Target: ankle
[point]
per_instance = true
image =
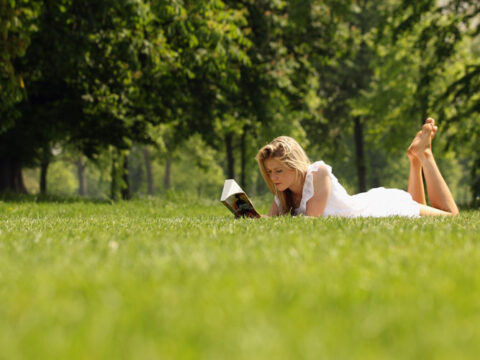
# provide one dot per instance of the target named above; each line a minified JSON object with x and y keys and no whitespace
{"x":414,"y":161}
{"x":426,"y":155}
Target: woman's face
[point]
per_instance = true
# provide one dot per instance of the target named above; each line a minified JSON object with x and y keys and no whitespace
{"x":282,"y":176}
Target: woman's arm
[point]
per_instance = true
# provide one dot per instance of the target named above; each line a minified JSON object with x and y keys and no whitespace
{"x":321,"y":192}
{"x":273,"y":210}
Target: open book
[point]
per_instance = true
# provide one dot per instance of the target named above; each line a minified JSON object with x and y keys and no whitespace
{"x":235,"y":199}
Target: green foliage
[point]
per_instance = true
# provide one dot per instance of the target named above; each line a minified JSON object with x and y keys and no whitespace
{"x":446,"y":39}
{"x":17,"y":23}
{"x":62,"y":179}
{"x":196,"y":171}
{"x":104,"y":76}
{"x":183,"y":279}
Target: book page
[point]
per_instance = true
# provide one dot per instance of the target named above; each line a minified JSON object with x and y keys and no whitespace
{"x":241,"y":206}
{"x":230,"y":187}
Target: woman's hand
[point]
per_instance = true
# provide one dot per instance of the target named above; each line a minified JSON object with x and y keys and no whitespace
{"x":274,"y":211}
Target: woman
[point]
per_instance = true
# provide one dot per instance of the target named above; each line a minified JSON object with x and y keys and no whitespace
{"x":302,"y":188}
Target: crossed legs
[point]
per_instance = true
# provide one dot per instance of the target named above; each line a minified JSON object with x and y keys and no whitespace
{"x":421,"y":157}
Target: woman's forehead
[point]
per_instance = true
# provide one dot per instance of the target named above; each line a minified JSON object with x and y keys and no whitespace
{"x":273,"y":163}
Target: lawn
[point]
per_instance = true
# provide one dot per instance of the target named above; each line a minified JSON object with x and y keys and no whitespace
{"x":153,"y":279}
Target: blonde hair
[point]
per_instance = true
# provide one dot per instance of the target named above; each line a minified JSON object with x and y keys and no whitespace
{"x":292,"y":155}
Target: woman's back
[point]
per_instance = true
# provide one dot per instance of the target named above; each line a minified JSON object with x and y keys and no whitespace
{"x":378,"y":202}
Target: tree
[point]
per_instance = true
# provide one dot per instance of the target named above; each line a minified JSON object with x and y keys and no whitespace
{"x":445,"y":35}
{"x":17,"y":23}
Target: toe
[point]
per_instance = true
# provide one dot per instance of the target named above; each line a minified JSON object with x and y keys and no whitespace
{"x":427,"y":127}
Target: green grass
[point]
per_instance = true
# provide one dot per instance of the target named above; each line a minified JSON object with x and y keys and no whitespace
{"x":158,"y":280}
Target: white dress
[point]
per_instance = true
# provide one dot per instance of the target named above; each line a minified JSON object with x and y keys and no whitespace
{"x":377,"y":202}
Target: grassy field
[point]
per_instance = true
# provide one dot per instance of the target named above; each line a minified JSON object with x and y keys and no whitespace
{"x":162,"y":280}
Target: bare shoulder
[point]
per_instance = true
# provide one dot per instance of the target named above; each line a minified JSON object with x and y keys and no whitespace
{"x":321,"y":192}
{"x":321,"y":171}
{"x":320,"y":175}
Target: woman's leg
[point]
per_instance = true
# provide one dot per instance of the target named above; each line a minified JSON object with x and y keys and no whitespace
{"x":415,"y":180}
{"x":430,"y":211}
{"x":438,"y":192}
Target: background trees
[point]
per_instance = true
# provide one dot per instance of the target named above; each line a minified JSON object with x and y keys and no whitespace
{"x":206,"y":83}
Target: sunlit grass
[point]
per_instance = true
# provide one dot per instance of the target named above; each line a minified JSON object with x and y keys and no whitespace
{"x":157,"y":279}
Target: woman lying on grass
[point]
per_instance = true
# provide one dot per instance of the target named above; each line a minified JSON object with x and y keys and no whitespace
{"x":301,"y":187}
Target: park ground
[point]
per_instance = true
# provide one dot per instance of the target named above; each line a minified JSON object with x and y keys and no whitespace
{"x":181,"y":279}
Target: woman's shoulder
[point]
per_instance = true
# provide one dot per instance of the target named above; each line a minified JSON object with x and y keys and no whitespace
{"x":320,"y":175}
{"x":317,"y":173}
{"x":319,"y":168}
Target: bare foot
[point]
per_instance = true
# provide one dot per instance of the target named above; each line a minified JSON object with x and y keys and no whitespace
{"x":412,"y":149}
{"x":422,"y":143}
{"x":421,"y":146}
{"x":434,"y":129}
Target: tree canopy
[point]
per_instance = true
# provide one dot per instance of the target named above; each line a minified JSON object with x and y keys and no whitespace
{"x":350,"y":78}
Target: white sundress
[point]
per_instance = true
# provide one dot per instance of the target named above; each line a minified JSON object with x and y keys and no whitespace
{"x":377,"y":202}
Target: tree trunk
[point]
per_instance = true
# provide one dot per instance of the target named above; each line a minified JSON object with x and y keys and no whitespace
{"x":114,"y":181}
{"x":168,"y":173}
{"x":475,"y":184}
{"x":360,"y":154}
{"x":230,"y":157}
{"x":11,"y":178}
{"x":243,"y":157}
{"x":423,"y":93}
{"x":148,"y":167}
{"x":126,"y":195}
{"x":6,"y":175}
{"x":82,"y":176}
{"x":43,"y":173}
{"x":19,"y":185}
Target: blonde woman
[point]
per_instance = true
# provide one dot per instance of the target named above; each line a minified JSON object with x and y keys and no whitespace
{"x":303,"y":188}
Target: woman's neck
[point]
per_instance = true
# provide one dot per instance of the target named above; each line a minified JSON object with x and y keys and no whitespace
{"x":297,"y":187}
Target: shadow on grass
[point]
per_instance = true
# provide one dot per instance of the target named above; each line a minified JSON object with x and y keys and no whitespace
{"x":27,"y":198}
{"x":177,"y":197}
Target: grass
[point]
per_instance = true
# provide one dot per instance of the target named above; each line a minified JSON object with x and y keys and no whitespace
{"x":162,"y":280}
